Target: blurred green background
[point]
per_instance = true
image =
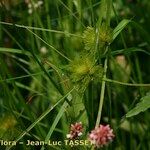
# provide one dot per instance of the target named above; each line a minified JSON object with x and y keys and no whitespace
{"x":37,"y":41}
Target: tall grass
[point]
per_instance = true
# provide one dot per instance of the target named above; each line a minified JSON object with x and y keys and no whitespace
{"x":41,"y":93}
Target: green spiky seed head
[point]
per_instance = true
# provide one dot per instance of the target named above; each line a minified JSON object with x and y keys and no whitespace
{"x":83,"y":70}
{"x":8,"y":122}
{"x":105,"y":34}
{"x":104,"y":37}
{"x":80,"y":67}
{"x":9,"y":128}
{"x":89,"y":38}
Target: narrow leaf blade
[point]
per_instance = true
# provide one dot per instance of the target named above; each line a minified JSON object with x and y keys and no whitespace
{"x":120,"y":27}
{"x":140,"y":107}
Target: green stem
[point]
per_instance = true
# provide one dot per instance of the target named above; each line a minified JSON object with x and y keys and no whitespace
{"x":108,"y":13}
{"x":40,"y":29}
{"x":102,"y":95}
{"x":124,"y":83}
{"x":108,"y":3}
{"x":57,"y":51}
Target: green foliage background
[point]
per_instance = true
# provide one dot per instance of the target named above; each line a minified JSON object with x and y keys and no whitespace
{"x":38,"y":95}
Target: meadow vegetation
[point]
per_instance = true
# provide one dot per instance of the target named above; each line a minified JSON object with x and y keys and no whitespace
{"x":70,"y":69}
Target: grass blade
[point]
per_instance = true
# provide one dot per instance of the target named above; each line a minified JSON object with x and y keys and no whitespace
{"x":120,"y":27}
{"x":40,"y":118}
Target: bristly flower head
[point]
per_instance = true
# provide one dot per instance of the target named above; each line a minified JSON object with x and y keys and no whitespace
{"x":83,"y":70}
{"x":90,"y":35}
{"x":105,"y":34}
{"x":89,"y":38}
{"x":76,"y":131}
{"x":101,"y":135}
